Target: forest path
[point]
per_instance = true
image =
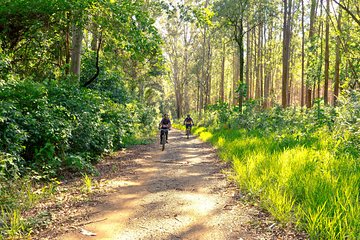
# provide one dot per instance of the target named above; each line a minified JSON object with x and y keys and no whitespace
{"x":180,"y":193}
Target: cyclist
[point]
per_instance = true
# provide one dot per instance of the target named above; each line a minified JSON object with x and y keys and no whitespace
{"x":165,"y":124}
{"x":188,"y":122}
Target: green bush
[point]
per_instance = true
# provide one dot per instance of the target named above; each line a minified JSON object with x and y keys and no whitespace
{"x":52,"y":126}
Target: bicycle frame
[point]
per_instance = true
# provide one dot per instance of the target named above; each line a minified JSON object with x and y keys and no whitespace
{"x":163,"y":137}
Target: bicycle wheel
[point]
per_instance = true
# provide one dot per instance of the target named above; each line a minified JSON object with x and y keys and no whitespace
{"x":188,"y":132}
{"x":163,"y":141}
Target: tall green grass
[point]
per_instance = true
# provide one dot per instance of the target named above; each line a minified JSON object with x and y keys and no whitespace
{"x":17,"y":196}
{"x":299,"y":180}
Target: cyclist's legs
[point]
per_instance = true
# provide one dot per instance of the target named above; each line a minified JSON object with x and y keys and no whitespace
{"x":162,"y":131}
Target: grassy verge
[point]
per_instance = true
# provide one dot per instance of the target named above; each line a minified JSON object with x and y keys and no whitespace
{"x":299,"y":181}
{"x":16,"y":197}
{"x":20,"y":212}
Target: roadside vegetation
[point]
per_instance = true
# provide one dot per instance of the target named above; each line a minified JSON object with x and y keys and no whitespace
{"x":77,"y":82}
{"x":302,"y":165}
{"x":82,"y":79}
{"x":56,"y":128}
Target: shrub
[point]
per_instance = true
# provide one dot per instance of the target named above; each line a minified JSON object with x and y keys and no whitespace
{"x":53,"y":126}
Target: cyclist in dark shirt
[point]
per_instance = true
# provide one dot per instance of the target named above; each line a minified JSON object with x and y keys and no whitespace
{"x":188,"y":122}
{"x":165,"y":123}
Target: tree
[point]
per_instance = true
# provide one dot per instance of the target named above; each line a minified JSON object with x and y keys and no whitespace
{"x":310,"y":60}
{"x":348,"y":10}
{"x":286,"y":51}
{"x":327,"y":54}
{"x":232,"y":14}
{"x":337,"y":60}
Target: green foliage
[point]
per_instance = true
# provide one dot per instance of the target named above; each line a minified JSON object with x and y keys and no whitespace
{"x":347,"y":131}
{"x":48,"y":123}
{"x":15,"y":227}
{"x":220,"y":111}
{"x":303,"y":165}
{"x":55,"y":126}
{"x":302,"y":182}
{"x":34,"y":34}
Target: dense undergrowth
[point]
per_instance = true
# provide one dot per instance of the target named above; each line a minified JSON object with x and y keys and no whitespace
{"x":56,"y":127}
{"x":303,"y":166}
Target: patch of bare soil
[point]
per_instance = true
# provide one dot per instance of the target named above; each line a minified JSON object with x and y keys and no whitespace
{"x":180,"y":193}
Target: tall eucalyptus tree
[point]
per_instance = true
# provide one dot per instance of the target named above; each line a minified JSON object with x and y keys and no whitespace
{"x":232,"y":14}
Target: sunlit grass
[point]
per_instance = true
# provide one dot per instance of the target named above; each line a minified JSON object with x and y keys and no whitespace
{"x":301,"y":181}
{"x":15,"y":227}
{"x":16,"y":197}
{"x":87,"y":183}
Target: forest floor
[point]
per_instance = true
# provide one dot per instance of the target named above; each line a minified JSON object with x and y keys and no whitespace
{"x":183,"y":192}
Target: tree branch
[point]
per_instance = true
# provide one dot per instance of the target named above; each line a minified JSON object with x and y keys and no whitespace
{"x":348,"y":11}
{"x":97,"y":64}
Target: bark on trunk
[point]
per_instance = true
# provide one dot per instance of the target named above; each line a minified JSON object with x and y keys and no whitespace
{"x":311,"y":38}
{"x":76,"y":50}
{"x":222,"y":79}
{"x":248,"y":63}
{"x":337,"y":61}
{"x":327,"y":55}
{"x":302,"y":101}
{"x":286,"y":53}
{"x":241,"y":55}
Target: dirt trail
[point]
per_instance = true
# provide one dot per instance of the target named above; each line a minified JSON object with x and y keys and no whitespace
{"x":180,"y":193}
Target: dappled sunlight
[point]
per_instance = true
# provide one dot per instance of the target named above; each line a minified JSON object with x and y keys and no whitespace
{"x":169,"y":194}
{"x":147,"y":170}
{"x":121,"y":183}
{"x":179,"y":193}
{"x":198,"y":204}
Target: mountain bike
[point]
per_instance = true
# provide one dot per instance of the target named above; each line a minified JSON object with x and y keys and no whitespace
{"x":188,"y":130}
{"x":163,"y":138}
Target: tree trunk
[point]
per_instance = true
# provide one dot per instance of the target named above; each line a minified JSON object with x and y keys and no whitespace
{"x":302,"y":101}
{"x":67,"y":47}
{"x":258,"y":59}
{"x":203,"y":73}
{"x":321,"y":34}
{"x":291,"y":90}
{"x":208,"y":74}
{"x":337,"y":60}
{"x":222,"y":79}
{"x":327,"y":54}
{"x":241,"y":58}
{"x":178,"y":90}
{"x":286,"y":52}
{"x":261,"y":58}
{"x":248,"y":65}
{"x":76,"y":50}
{"x":198,"y":92}
{"x":203,"y":70}
{"x":311,"y":38}
{"x":186,"y":78}
{"x":235,"y":76}
{"x":253,"y":63}
{"x":267,"y":79}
